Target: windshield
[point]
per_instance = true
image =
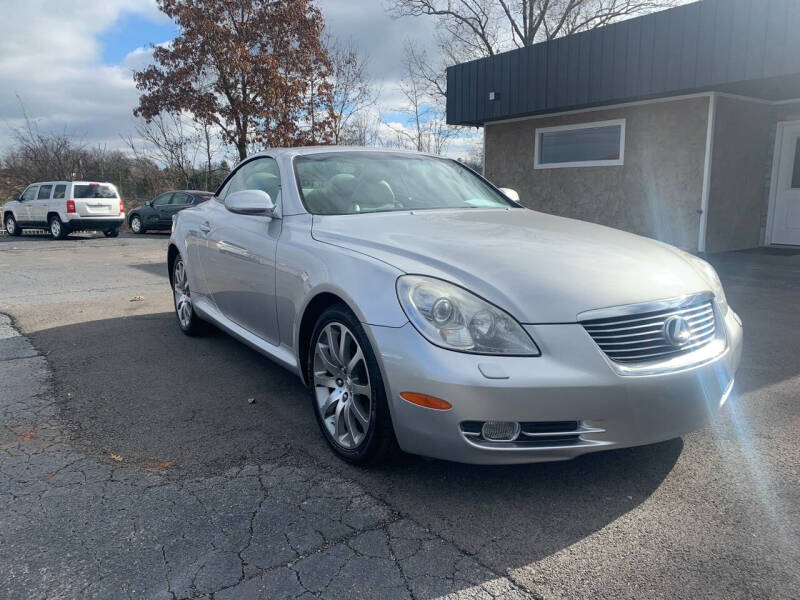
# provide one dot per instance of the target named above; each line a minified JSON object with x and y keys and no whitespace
{"x":94,"y":190}
{"x":340,"y":183}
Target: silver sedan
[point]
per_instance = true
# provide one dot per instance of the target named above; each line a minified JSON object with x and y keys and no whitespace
{"x":428,"y":310}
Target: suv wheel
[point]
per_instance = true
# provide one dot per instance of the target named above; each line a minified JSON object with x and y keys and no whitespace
{"x":347,"y":391}
{"x":11,"y":225}
{"x":111,"y":233}
{"x":58,"y":230}
{"x":136,"y":224}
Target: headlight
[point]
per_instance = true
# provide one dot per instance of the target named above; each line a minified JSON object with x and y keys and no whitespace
{"x":453,"y":318}
{"x":711,"y":276}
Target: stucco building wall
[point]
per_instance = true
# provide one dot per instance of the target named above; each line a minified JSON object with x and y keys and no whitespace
{"x":744,"y":137}
{"x":657,"y":192}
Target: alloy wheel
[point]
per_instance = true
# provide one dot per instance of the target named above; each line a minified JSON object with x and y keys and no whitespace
{"x":342,"y":387}
{"x":136,"y":225}
{"x":55,"y":227}
{"x":11,"y":226}
{"x":183,"y":299}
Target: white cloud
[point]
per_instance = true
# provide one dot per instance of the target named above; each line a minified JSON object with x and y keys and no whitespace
{"x":50,"y":58}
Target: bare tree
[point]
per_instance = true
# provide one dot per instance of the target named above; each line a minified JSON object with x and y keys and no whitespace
{"x":428,"y":132}
{"x":362,"y":129}
{"x":206,"y":129}
{"x":352,"y":91}
{"x":486,"y":27}
{"x":165,"y":139}
{"x":36,"y":155}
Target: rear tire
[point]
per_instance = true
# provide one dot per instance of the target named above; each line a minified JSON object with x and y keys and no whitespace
{"x":137,"y":226}
{"x":11,"y":225}
{"x":58,"y":231}
{"x":188,"y":320}
{"x":111,"y":233}
{"x":347,"y":391}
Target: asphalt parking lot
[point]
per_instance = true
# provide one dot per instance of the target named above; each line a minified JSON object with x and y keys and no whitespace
{"x":134,"y":465}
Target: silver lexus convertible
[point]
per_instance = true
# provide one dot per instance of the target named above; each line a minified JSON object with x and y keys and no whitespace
{"x":426,"y":309}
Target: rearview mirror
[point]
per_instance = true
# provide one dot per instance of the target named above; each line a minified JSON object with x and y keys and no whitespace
{"x":510,"y":194}
{"x":15,"y":197}
{"x":250,"y":202}
{"x":148,"y":203}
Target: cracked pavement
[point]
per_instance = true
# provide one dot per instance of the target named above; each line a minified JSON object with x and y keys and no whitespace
{"x":132,"y":466}
{"x":78,"y":526}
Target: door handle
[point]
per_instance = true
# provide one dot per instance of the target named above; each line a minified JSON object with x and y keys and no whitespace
{"x":205,"y":227}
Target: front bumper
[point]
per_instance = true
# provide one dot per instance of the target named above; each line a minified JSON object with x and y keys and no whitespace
{"x":94,"y":223}
{"x":572,"y":381}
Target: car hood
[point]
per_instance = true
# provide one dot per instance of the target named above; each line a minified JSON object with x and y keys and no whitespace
{"x":538,"y":267}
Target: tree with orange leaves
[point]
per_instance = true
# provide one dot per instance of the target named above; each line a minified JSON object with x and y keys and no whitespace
{"x":257,"y":69}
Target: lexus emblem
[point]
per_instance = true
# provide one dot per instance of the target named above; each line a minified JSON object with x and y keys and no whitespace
{"x":677,"y":331}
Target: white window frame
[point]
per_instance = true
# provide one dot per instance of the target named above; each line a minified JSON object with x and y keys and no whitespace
{"x":580,"y":163}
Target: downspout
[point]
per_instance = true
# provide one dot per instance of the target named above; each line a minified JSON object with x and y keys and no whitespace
{"x":712,"y":117}
{"x":483,"y":161}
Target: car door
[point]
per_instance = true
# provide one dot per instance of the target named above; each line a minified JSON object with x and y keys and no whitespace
{"x":59,"y":198}
{"x":40,"y":206}
{"x":26,"y":200}
{"x":155,"y":216}
{"x":178,"y":201}
{"x":240,"y":250}
{"x":786,"y":206}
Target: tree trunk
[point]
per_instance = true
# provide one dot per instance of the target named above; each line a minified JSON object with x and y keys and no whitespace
{"x":241,"y":146}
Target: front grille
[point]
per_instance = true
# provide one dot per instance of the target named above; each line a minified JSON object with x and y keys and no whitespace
{"x":642,"y":337}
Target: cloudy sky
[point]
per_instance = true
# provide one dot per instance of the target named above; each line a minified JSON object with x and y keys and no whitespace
{"x":70,"y":62}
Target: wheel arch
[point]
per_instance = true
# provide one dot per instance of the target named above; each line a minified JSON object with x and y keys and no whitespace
{"x":172,"y":254}
{"x":313,"y":309}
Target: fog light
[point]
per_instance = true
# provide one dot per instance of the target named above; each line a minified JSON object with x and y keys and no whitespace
{"x":500,"y":431}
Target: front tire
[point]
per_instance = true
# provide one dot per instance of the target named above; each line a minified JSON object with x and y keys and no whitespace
{"x":58,"y":231}
{"x":136,"y":224}
{"x":11,"y":225}
{"x":347,"y":391}
{"x":188,"y":320}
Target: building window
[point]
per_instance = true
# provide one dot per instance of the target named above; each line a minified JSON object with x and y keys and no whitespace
{"x":598,"y":144}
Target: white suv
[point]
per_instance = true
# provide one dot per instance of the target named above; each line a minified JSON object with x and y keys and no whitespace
{"x":65,"y":206}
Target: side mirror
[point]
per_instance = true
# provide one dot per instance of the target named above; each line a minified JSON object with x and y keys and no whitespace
{"x":15,"y":197}
{"x":149,"y":203}
{"x":250,"y":202}
{"x":510,"y":194}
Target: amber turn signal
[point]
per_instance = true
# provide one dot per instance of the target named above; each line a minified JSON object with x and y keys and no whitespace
{"x":426,"y":401}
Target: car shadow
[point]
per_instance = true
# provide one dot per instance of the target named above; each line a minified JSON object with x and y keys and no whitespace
{"x":153,"y":268}
{"x":210,"y":404}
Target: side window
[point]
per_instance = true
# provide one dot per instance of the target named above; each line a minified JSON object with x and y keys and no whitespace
{"x":30,"y":192}
{"x":162,"y":199}
{"x":259,"y":174}
{"x":181,"y":198}
{"x":44,"y":192}
{"x":60,"y":191}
